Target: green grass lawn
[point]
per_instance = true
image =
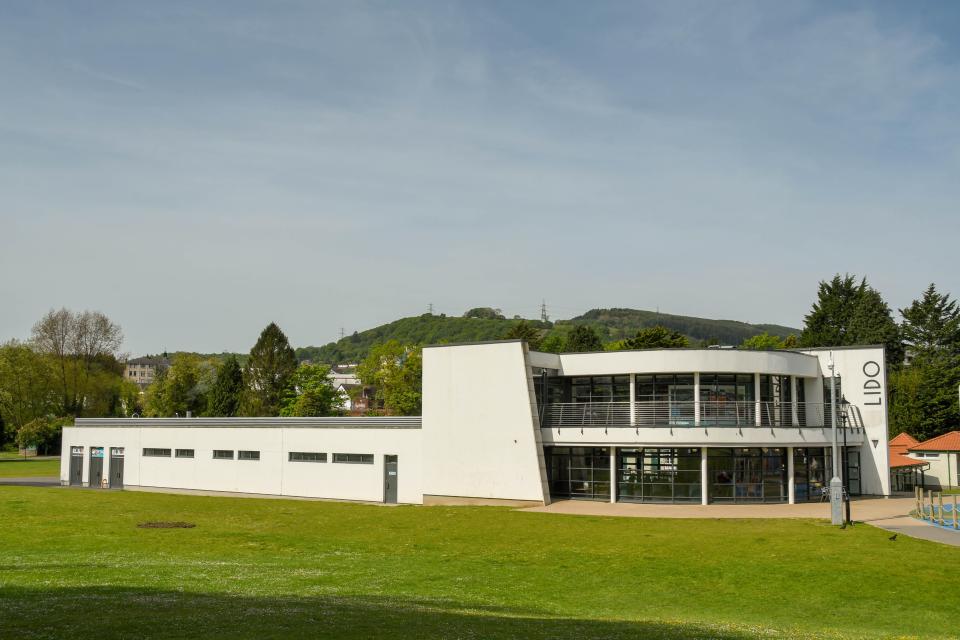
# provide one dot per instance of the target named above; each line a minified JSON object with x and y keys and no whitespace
{"x":74,"y":564}
{"x":29,"y":467}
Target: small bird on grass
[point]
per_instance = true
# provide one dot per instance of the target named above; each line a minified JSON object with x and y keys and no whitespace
{"x":893,"y":538}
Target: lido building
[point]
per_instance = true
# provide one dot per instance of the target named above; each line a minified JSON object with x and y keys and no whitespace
{"x":502,"y":424}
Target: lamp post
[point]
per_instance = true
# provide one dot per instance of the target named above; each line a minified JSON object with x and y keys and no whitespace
{"x":836,"y":486}
{"x":846,"y":468}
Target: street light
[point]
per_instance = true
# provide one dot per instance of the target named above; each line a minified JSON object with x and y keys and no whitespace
{"x":836,"y":486}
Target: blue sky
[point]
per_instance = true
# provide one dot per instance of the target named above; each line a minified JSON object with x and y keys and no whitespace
{"x":198,"y":169}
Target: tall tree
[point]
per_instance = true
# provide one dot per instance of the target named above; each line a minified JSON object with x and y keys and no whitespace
{"x":762,"y":342}
{"x":553,"y":343}
{"x":848,"y":313}
{"x":923,"y":395}
{"x":766,"y":341}
{"x":82,"y":345}
{"x":396,"y":372}
{"x":28,"y":386}
{"x":182,"y":387}
{"x":523,"y":330}
{"x":271,"y":363}
{"x":227,"y":392}
{"x":583,"y":338}
{"x":657,"y":337}
{"x":311,"y":393}
{"x":931,"y":326}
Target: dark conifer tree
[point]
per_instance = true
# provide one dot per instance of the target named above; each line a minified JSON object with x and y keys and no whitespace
{"x":227,"y":391}
{"x":271,"y":364}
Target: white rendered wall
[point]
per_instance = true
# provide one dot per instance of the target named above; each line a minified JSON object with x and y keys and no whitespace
{"x":273,"y":474}
{"x":942,"y":473}
{"x":479,"y":437}
{"x":863,"y":373}
{"x":788,"y":363}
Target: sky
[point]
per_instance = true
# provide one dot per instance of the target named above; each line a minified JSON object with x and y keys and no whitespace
{"x":197,"y":169}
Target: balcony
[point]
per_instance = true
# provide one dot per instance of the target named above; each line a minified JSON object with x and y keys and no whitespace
{"x":705,"y":413}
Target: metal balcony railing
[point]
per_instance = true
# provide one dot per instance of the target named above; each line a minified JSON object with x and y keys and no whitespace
{"x":684,"y":413}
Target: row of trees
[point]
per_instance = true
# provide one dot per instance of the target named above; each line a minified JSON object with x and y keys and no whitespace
{"x":922,"y":350}
{"x":583,"y":338}
{"x":271,"y":383}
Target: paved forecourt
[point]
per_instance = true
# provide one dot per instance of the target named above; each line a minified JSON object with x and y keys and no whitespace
{"x":864,"y":509}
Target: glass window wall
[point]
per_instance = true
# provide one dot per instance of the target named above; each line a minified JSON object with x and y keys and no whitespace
{"x":665,"y":399}
{"x":747,"y":474}
{"x":658,"y":475}
{"x":579,"y":472}
{"x":727,"y":399}
{"x":813,"y":468}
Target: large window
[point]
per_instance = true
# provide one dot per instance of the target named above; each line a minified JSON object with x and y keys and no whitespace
{"x":156,"y":453}
{"x":307,"y":456}
{"x":776,"y":405}
{"x":747,"y":474}
{"x":665,"y":399}
{"x":353,"y":458}
{"x":184,"y":453}
{"x":827,"y":401}
{"x":579,"y":472}
{"x":600,"y":389}
{"x":813,"y":468}
{"x":222,"y":454}
{"x":248,"y":455}
{"x":727,"y":399}
{"x":658,"y":475}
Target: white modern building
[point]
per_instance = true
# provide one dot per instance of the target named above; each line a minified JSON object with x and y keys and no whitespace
{"x":505,"y":425}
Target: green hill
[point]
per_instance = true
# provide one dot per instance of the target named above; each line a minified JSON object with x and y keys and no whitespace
{"x":617,"y":324}
{"x":612,"y":324}
{"x":425,"y":329}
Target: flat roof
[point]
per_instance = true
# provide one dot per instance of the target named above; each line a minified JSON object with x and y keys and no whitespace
{"x":347,"y":422}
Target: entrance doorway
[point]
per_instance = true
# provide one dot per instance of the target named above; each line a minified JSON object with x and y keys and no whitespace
{"x":76,"y":466}
{"x":96,"y":467}
{"x":390,"y":479}
{"x":116,"y":467}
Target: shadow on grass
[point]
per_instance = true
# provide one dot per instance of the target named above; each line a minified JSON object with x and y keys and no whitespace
{"x":115,"y":612}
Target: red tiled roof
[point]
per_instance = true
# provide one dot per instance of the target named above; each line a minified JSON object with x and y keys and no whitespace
{"x":904,"y":439}
{"x":901,"y":442}
{"x":900,"y":460}
{"x":947,"y":442}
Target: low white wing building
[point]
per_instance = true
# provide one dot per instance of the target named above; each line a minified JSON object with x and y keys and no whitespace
{"x":502,"y":424}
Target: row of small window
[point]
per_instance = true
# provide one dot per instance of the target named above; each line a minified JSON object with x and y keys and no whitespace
{"x":294,"y":456}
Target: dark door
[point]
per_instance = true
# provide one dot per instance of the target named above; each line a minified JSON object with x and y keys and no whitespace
{"x":76,"y":466}
{"x":116,"y":467}
{"x":390,"y":479}
{"x":96,"y":467}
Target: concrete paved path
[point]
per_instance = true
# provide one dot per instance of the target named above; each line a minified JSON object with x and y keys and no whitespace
{"x":864,"y":509}
{"x":917,"y":529}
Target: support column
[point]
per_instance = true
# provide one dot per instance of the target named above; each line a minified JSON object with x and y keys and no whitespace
{"x":613,"y":475}
{"x":633,"y":399}
{"x":795,"y":415}
{"x":756,"y":398}
{"x":791,"y":488}
{"x":704,"y":485}
{"x":696,"y":398}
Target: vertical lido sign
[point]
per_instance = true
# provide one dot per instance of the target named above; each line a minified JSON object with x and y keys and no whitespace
{"x":872,"y":386}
